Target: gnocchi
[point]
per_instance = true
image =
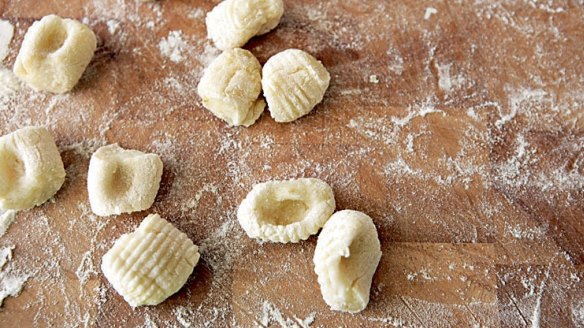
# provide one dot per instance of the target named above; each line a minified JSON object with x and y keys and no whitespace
{"x":122,"y":181}
{"x":286,"y":211}
{"x":230,"y":87}
{"x":150,"y":264}
{"x":293,"y":82}
{"x":54,"y":54}
{"x":233,"y":22}
{"x":346,"y":256}
{"x":31,"y":169}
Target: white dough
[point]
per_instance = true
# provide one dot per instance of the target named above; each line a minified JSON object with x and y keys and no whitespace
{"x":54,"y":54}
{"x":231,"y":85}
{"x":346,"y":256}
{"x":150,"y":264}
{"x":286,"y":211}
{"x":122,"y":181}
{"x":31,"y":169}
{"x":233,"y":22}
{"x":293,"y":82}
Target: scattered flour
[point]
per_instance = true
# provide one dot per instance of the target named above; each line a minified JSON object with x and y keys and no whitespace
{"x":429,"y":12}
{"x":113,"y":26}
{"x":446,"y":82}
{"x":11,"y":283}
{"x":578,"y":313}
{"x":173,"y":46}
{"x":196,"y":14}
{"x":271,"y":314}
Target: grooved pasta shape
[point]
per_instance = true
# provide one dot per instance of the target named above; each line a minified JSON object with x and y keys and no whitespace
{"x":151,"y":263}
{"x":54,"y":54}
{"x":31,"y":169}
{"x":230,"y":87}
{"x":293,"y":82}
{"x":286,"y":211}
{"x":233,"y":22}
{"x":346,"y":256}
{"x":122,"y":181}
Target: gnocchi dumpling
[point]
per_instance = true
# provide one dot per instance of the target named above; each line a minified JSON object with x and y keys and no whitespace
{"x":54,"y":54}
{"x":346,"y":256}
{"x":150,"y":264}
{"x":230,"y":87}
{"x":31,"y":169}
{"x":293,"y":82}
{"x":122,"y":181}
{"x":286,"y":211}
{"x":233,"y":22}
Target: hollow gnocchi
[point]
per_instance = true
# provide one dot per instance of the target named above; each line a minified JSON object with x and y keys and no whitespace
{"x":230,"y":87}
{"x":150,"y":264}
{"x":233,"y":22}
{"x":293,"y":82}
{"x":122,"y":181}
{"x":286,"y":211}
{"x":346,"y":256}
{"x":54,"y":54}
{"x":31,"y":169}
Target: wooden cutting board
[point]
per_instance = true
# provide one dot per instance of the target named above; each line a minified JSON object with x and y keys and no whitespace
{"x":457,"y":126}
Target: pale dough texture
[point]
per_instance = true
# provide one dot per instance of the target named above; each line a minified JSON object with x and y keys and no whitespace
{"x":54,"y":54}
{"x":122,"y":181}
{"x":31,"y":169}
{"x":293,"y":82}
{"x":150,"y":264}
{"x":233,"y":22}
{"x":346,"y":256}
{"x":231,"y":85}
{"x":286,"y":211}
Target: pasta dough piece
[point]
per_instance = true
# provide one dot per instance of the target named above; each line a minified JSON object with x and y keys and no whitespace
{"x":293,"y":82}
{"x":346,"y":256}
{"x":231,"y":85}
{"x":150,"y":264}
{"x":233,"y":22}
{"x":286,"y":211}
{"x":31,"y":169}
{"x":54,"y":54}
{"x":122,"y":181}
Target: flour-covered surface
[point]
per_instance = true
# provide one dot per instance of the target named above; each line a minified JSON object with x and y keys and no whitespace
{"x":457,"y":126}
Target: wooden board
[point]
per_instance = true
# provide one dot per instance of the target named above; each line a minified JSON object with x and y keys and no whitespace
{"x":460,"y":130}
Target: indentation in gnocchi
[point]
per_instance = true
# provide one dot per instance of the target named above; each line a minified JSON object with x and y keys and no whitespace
{"x":345,"y":259}
{"x":293,"y":82}
{"x":53,"y":40}
{"x":286,"y":211}
{"x":122,"y":181}
{"x":151,"y":263}
{"x":233,"y":22}
{"x":54,"y":54}
{"x":11,"y":170}
{"x":230,"y":87}
{"x":31,"y":169}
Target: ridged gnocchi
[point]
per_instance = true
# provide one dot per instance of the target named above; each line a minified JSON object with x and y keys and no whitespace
{"x":286,"y":211}
{"x":233,"y":22}
{"x":31,"y":169}
{"x":122,"y":181}
{"x":230,"y":87}
{"x":150,"y":264}
{"x":293,"y":82}
{"x":346,"y":256}
{"x":54,"y":54}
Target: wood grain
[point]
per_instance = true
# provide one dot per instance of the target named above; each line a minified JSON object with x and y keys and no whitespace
{"x":467,"y":153}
